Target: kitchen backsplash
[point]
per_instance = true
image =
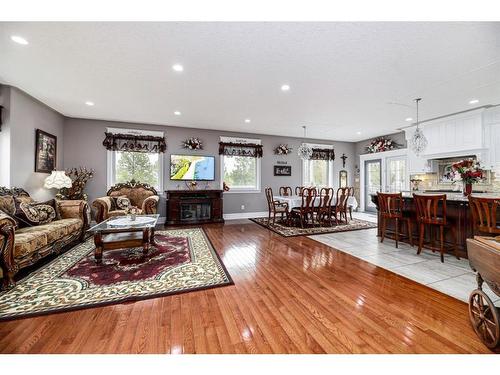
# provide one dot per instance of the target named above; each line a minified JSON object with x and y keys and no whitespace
{"x":429,"y":181}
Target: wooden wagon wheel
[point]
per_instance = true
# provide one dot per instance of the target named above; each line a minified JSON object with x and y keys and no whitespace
{"x":484,"y":318}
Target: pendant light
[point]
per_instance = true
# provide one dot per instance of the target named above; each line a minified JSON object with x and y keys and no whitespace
{"x":418,"y":142}
{"x":304,"y":151}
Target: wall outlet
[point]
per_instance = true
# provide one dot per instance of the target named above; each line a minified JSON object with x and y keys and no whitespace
{"x":242,"y":206}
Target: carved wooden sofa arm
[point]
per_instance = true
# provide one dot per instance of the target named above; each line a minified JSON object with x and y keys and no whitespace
{"x":101,"y":207}
{"x":7,"y":230}
{"x":75,"y":209}
{"x":150,"y":205}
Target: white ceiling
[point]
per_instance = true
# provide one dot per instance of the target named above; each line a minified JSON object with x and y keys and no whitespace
{"x":342,"y":75}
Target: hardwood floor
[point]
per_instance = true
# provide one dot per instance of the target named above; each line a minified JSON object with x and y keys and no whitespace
{"x":291,"y":295}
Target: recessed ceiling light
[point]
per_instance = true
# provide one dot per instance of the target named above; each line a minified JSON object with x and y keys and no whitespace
{"x":19,"y":39}
{"x":89,"y":103}
{"x":358,"y":133}
{"x":178,"y":67}
{"x":177,"y":113}
{"x":408,"y":119}
{"x":285,"y":87}
{"x":247,"y":120}
{"x":473,"y":101}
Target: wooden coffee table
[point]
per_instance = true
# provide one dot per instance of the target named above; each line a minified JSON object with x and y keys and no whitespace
{"x":122,"y":233}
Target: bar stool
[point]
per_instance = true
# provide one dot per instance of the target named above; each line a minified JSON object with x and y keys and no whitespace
{"x":431,"y":211}
{"x":391,"y":208}
{"x":485,"y":215}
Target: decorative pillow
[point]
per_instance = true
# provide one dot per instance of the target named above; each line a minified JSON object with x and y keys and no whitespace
{"x":32,"y":214}
{"x":7,"y":204}
{"x":122,"y":203}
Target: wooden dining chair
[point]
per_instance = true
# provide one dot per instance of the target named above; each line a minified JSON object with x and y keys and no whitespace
{"x":324,"y":209}
{"x":276,"y":207}
{"x":306,"y":209}
{"x":298,"y":190}
{"x":485,"y":215}
{"x":339,"y":209}
{"x":350,"y":194}
{"x":431,"y":212}
{"x":285,"y":191}
{"x":391,"y":208}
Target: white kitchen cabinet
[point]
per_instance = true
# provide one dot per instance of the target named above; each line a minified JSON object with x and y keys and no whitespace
{"x":491,"y":120}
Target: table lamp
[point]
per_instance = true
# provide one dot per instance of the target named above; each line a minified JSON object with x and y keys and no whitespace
{"x":58,"y":180}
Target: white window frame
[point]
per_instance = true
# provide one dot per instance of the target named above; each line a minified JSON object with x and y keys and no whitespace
{"x":111,"y":156}
{"x":235,"y":190}
{"x":329,"y":173}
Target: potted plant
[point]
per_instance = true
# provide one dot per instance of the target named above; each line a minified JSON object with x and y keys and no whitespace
{"x":469,"y":171}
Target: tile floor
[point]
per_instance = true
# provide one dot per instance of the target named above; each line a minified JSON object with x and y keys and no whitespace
{"x":453,"y":277}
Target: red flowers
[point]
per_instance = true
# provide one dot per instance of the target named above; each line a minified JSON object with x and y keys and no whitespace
{"x":469,"y":170}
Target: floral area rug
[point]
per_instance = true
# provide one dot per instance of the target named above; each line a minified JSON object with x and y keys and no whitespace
{"x":181,"y":260}
{"x":289,"y":231}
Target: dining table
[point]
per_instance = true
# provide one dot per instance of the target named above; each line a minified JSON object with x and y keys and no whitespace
{"x":296,"y":201}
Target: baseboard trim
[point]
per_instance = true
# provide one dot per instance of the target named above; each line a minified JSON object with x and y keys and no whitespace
{"x":245,"y":215}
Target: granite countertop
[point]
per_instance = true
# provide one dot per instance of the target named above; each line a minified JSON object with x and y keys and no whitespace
{"x":453,"y":196}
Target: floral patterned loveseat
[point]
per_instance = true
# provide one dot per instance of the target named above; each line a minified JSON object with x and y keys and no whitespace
{"x":140,"y":195}
{"x":22,"y":247}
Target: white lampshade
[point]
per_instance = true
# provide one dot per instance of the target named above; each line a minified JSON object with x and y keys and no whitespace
{"x":58,"y":180}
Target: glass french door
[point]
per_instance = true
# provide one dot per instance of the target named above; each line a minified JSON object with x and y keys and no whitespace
{"x":373,"y":182}
{"x":396,"y":174}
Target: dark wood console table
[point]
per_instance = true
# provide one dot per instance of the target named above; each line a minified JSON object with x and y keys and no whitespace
{"x":194,"y":207}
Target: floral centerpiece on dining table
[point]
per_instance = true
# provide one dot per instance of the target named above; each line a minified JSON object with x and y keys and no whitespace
{"x":469,"y":171}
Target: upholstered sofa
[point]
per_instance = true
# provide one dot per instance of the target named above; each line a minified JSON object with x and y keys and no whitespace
{"x":142,"y":196}
{"x":22,"y":247}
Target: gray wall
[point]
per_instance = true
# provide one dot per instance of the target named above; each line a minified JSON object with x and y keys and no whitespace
{"x":83,"y":147}
{"x":23,"y":115}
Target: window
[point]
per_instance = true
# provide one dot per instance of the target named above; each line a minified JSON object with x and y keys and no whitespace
{"x":145,"y":167}
{"x":317,"y":173}
{"x":240,"y":173}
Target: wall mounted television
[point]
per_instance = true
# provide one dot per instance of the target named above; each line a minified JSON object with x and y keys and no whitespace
{"x":192,"y":168}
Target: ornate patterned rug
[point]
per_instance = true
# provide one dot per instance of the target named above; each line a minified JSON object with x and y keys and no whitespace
{"x":286,"y":231}
{"x":181,"y":260}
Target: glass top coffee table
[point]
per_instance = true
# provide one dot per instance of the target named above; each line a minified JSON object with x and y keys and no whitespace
{"x":121,"y":232}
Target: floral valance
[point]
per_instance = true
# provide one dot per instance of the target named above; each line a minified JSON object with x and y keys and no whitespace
{"x":323,"y":154}
{"x":240,"y":149}
{"x":134,"y":143}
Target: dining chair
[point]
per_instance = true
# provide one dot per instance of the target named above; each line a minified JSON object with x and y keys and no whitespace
{"x":306,"y":208}
{"x":285,"y":191}
{"x":275,"y":207}
{"x":323,"y":211}
{"x":350,"y":194}
{"x":485,"y":215}
{"x":298,"y":190}
{"x":431,"y":212}
{"x":339,"y":209}
{"x":391,"y":208}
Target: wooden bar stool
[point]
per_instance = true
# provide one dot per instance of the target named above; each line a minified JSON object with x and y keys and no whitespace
{"x":485,"y":215}
{"x":431,"y":211}
{"x":391,"y":208}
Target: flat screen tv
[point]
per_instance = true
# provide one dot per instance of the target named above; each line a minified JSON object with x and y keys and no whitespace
{"x":192,"y":167}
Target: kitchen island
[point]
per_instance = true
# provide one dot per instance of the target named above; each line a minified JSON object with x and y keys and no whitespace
{"x":458,"y":215}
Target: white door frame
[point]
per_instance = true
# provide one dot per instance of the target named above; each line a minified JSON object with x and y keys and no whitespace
{"x":383,"y":156}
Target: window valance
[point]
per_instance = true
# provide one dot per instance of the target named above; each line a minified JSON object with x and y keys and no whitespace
{"x":323,"y":154}
{"x":134,"y":143}
{"x":252,"y":150}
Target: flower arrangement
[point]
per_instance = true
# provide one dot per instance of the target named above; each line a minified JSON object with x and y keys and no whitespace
{"x":381,"y":144}
{"x":193,"y":143}
{"x":132,"y":211}
{"x":469,"y":171}
{"x":282,"y":149}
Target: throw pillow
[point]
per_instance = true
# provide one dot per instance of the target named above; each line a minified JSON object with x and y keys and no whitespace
{"x":122,"y":202}
{"x":32,"y":214}
{"x":7,"y":204}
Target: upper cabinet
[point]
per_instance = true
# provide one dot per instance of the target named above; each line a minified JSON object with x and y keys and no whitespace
{"x":471,"y":133}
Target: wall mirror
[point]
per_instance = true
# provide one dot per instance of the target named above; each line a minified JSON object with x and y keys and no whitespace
{"x":343,"y":178}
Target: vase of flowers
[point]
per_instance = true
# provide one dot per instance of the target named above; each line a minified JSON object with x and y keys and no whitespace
{"x":381,"y":144}
{"x":469,"y":171}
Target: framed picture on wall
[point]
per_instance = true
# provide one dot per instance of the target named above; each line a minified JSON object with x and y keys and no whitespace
{"x":45,"y":151}
{"x":282,"y":170}
{"x":343,"y":178}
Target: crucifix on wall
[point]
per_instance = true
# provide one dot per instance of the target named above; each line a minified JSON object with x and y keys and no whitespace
{"x":343,"y":157}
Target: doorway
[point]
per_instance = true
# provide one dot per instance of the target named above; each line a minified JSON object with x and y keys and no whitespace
{"x":373,"y":182}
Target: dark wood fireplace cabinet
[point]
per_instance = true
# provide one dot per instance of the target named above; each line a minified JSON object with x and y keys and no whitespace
{"x":186,"y":207}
